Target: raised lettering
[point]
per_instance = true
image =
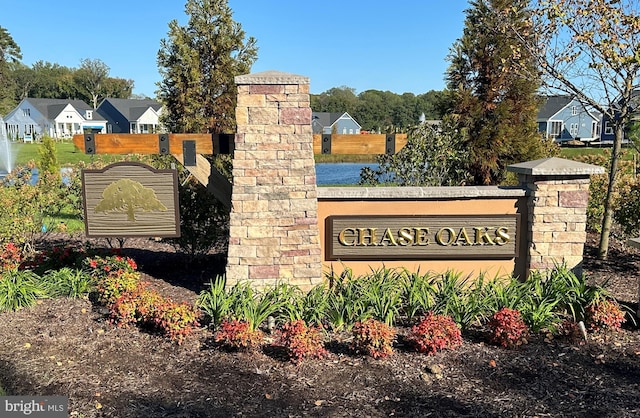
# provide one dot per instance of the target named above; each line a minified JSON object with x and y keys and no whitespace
{"x":482,"y":236}
{"x":421,"y":236}
{"x":451,"y":238}
{"x":502,"y":235}
{"x":405,"y":237}
{"x":462,"y":238}
{"x":342,"y":238}
{"x":367,"y":234}
{"x":388,"y":238}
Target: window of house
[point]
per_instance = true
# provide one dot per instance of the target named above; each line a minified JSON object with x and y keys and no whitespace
{"x":132,"y":129}
{"x":574,"y":110}
{"x":573,"y":129}
{"x":344,"y":130}
{"x":608,"y":129}
{"x":595,"y":129}
{"x":556,"y":128}
{"x":26,"y":112}
{"x":89,"y":114}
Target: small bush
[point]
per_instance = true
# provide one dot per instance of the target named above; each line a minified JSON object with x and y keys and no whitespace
{"x":301,"y":341}
{"x":604,"y":314}
{"x":175,"y":320}
{"x":10,"y":256}
{"x":507,"y":328}
{"x":373,"y":337}
{"x":113,"y":286}
{"x":67,"y":282}
{"x":435,"y":333}
{"x":238,"y":335}
{"x":19,"y":289}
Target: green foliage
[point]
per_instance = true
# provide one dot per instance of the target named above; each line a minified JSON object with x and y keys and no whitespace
{"x":198,"y":63}
{"x":434,"y":333}
{"x":67,"y":282}
{"x":626,"y":210}
{"x":48,"y":162}
{"x":495,"y":81}
{"x":373,"y":337}
{"x":254,"y":307}
{"x":19,"y":289}
{"x":433,"y":156}
{"x":301,"y":341}
{"x":417,"y":294}
{"x":215,"y":302}
{"x":204,"y":221}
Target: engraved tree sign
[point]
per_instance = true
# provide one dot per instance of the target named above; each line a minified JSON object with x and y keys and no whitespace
{"x":131,"y":200}
{"x":128,"y":196}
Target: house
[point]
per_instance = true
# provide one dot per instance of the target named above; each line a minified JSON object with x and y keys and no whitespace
{"x":564,"y":118}
{"x":607,"y":136}
{"x":131,"y":116}
{"x":57,"y":118}
{"x":334,"y":123}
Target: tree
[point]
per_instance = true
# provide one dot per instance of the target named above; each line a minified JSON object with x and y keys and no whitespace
{"x":495,"y":104}
{"x":433,"y":156}
{"x":9,"y":53}
{"x":126,"y":195}
{"x":590,"y":49}
{"x":91,"y":77}
{"x":198,"y":63}
{"x":335,"y":100}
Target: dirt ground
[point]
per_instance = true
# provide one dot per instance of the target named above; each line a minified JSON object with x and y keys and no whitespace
{"x":66,"y":347}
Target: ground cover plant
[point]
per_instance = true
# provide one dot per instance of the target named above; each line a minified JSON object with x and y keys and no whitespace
{"x":140,"y":370}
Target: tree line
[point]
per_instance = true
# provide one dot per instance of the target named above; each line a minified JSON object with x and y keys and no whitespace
{"x":89,"y":82}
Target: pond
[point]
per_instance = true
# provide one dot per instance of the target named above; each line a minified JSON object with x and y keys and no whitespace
{"x":340,"y":173}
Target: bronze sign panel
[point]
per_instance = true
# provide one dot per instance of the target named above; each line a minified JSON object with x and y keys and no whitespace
{"x":131,"y":200}
{"x":422,"y":237}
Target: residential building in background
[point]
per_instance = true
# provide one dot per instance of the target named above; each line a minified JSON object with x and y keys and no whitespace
{"x":334,"y":123}
{"x":131,"y":116}
{"x":57,"y":118}
{"x":564,"y":118}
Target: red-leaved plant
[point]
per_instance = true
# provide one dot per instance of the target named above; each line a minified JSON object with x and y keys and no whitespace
{"x":604,"y":314}
{"x":301,"y":341}
{"x":507,"y":328}
{"x":373,"y":337}
{"x":435,"y":333}
{"x":238,"y":335}
{"x":10,"y":257}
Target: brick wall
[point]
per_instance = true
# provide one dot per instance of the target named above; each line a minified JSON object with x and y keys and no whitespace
{"x":273,"y":222}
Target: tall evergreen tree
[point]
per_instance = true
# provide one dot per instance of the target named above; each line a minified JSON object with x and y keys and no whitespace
{"x":9,"y":53}
{"x":198,"y":63}
{"x":495,"y":105}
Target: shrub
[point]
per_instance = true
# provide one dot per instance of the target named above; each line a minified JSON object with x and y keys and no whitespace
{"x":113,"y":286}
{"x":175,"y":320}
{"x":373,"y":337}
{"x":57,"y":257}
{"x":214,"y":301}
{"x":19,"y":289}
{"x":238,"y":335}
{"x":604,"y":314}
{"x":301,"y":341}
{"x":507,"y":328}
{"x":10,"y":257}
{"x":101,"y":267}
{"x":67,"y":282}
{"x":435,"y":332}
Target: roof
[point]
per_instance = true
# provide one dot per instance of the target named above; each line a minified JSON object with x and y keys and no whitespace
{"x":553,"y":105}
{"x":326,"y":118}
{"x":132,"y":109}
{"x":51,"y":108}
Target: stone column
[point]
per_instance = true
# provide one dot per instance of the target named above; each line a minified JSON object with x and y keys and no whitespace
{"x":558,"y":193}
{"x":274,"y":234}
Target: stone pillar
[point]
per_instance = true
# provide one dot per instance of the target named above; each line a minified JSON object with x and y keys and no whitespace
{"x":274,"y":234}
{"x":558,"y":193}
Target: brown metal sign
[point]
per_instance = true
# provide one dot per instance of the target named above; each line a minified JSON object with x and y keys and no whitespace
{"x":421,"y":237}
{"x":131,"y":200}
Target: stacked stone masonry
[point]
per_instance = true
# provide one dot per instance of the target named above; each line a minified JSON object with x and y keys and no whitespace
{"x":274,"y":233}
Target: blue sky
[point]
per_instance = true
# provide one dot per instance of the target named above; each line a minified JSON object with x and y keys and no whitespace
{"x":398,"y":46}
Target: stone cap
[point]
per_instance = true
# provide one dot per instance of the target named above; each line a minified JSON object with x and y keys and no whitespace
{"x":555,"y":167}
{"x":271,"y":77}
{"x":420,"y":193}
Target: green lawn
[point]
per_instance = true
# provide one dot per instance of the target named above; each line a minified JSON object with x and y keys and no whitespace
{"x":66,"y":152}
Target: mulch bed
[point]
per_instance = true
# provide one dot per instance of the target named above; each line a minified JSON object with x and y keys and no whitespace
{"x":66,"y":347}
